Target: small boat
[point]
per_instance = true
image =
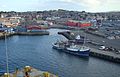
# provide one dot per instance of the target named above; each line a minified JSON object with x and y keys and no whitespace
{"x":59,"y":45}
{"x":28,"y":71}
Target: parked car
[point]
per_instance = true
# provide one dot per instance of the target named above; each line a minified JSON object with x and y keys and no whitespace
{"x":102,"y":47}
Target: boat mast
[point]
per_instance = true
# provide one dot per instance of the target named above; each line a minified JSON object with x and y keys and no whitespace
{"x":84,"y":39}
{"x":6,"y":50}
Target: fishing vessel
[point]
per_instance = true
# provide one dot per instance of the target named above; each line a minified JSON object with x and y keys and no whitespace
{"x":80,"y":50}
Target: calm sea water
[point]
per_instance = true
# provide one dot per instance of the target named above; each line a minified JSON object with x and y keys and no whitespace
{"x":37,"y":52}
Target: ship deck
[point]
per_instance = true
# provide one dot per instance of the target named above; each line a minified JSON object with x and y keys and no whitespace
{"x":33,"y":73}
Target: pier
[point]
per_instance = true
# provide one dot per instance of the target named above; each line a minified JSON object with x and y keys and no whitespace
{"x":96,"y":34}
{"x":67,"y":35}
{"x":106,"y":55}
{"x":33,"y":33}
{"x":2,"y":35}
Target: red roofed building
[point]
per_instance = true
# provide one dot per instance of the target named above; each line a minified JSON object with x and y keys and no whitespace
{"x":78,"y":23}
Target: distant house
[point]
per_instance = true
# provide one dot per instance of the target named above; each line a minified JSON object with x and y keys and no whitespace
{"x":10,"y":22}
{"x":2,"y":28}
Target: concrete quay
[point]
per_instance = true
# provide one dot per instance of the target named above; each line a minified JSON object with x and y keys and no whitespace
{"x":2,"y":35}
{"x":33,"y":33}
{"x":95,"y":52}
{"x":96,"y":33}
{"x":107,"y":55}
{"x":67,"y":35}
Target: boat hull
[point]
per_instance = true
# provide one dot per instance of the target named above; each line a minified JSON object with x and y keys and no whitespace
{"x":56,"y":47}
{"x":78,"y":53}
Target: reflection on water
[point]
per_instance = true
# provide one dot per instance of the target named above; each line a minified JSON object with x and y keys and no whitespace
{"x":37,"y":52}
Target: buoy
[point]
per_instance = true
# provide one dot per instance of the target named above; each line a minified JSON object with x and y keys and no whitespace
{"x":6,"y":75}
{"x":46,"y":74}
{"x":27,"y":69}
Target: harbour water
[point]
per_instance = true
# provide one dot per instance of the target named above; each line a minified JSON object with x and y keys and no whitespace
{"x":37,"y":52}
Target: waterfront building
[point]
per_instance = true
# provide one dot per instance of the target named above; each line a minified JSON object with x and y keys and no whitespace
{"x":75,"y":23}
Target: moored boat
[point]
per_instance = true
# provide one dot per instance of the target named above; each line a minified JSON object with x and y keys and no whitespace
{"x":79,"y":50}
{"x":59,"y":45}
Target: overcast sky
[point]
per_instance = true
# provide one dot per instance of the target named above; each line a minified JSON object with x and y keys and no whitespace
{"x":76,"y":5}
